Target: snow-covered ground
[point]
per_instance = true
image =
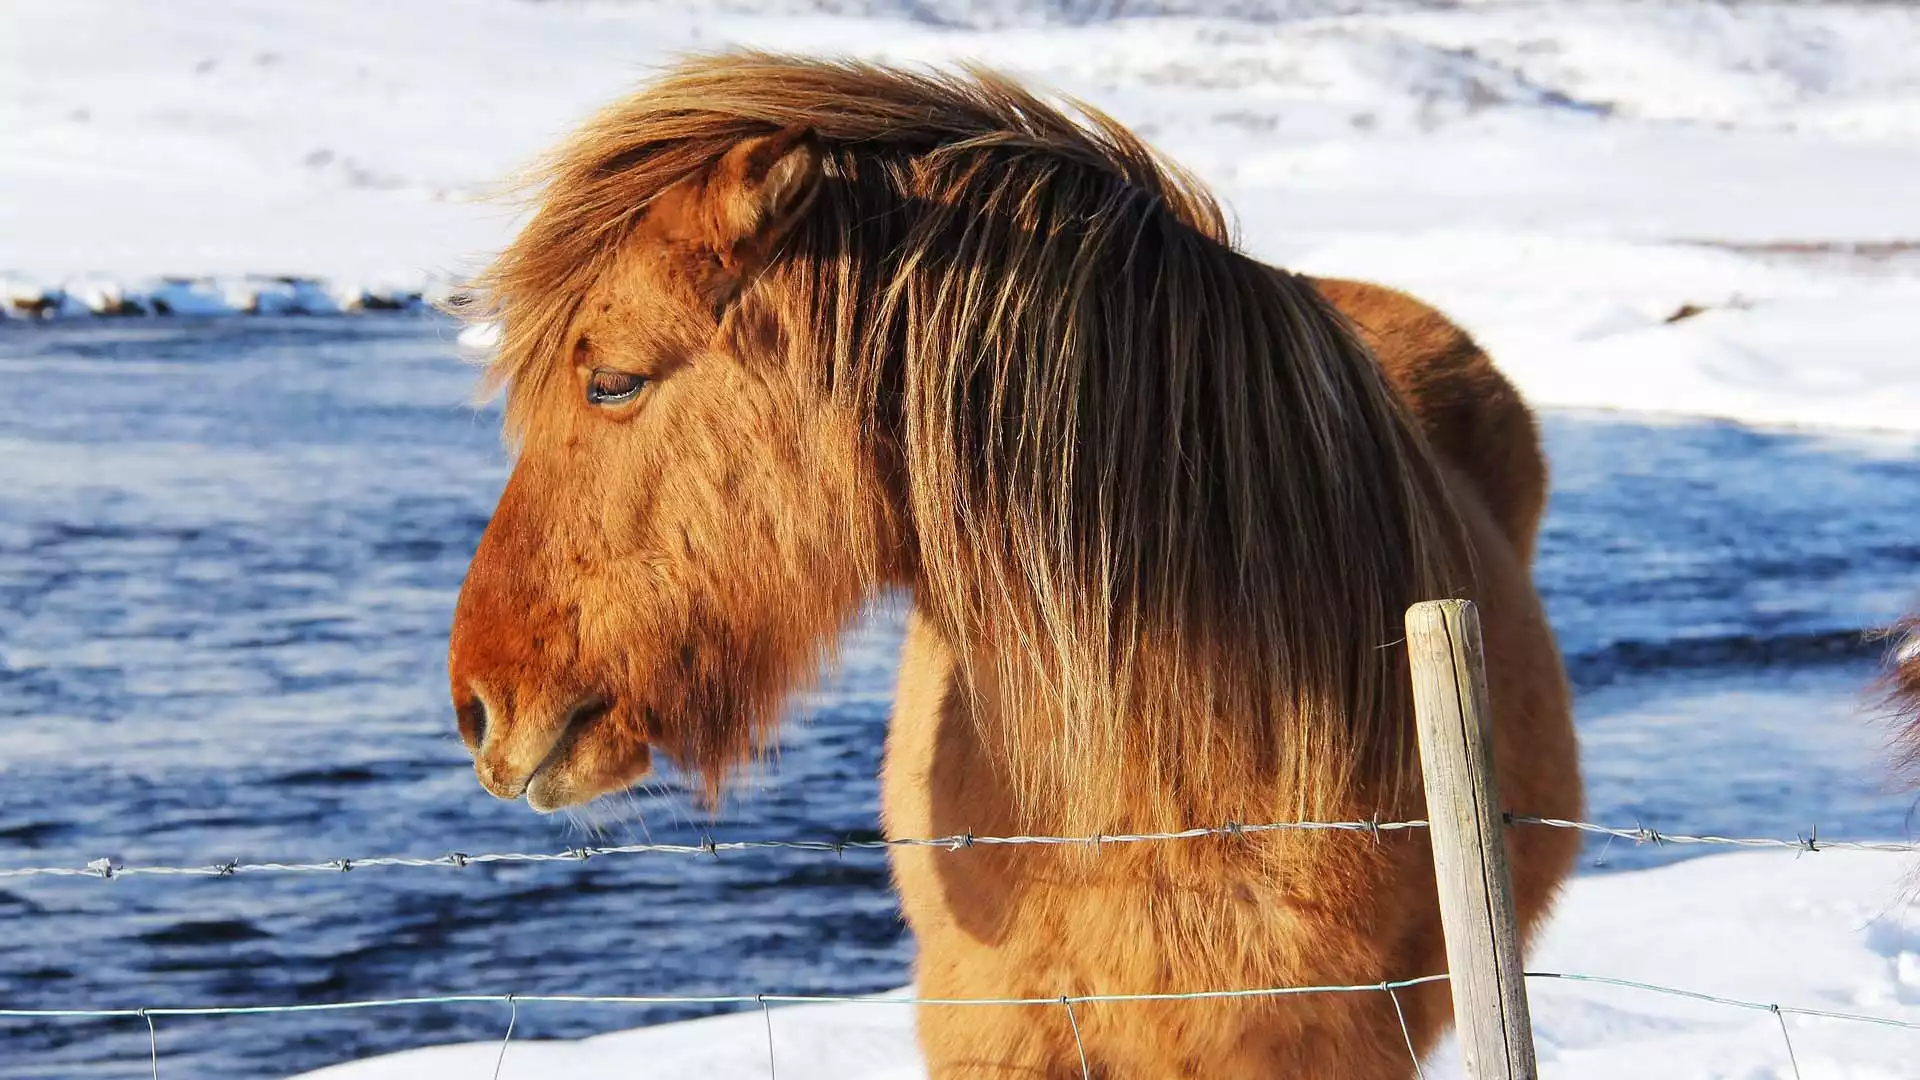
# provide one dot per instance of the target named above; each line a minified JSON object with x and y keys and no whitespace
{"x":1562,"y":177}
{"x":1832,"y":932}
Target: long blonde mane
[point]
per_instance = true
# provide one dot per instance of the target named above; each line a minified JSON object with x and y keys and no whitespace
{"x":1162,"y":502}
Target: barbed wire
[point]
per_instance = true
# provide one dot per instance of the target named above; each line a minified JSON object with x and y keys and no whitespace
{"x":104,"y":869}
{"x":1809,"y":841}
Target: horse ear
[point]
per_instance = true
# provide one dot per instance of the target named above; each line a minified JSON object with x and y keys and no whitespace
{"x":760,"y":189}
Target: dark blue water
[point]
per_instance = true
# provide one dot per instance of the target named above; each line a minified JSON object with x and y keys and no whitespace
{"x":228,"y":558}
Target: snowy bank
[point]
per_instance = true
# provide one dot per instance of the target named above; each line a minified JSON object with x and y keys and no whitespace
{"x":1562,"y":177}
{"x":1834,"y":931}
{"x":105,"y":297}
{"x":1788,"y":338}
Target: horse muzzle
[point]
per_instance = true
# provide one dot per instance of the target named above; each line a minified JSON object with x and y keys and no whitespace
{"x":554,"y":763}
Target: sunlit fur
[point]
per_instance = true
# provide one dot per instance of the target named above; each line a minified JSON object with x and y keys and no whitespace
{"x":1157,"y":506}
{"x":1903,"y":686}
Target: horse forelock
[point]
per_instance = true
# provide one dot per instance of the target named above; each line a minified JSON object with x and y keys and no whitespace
{"x":1161,"y":497}
{"x":588,"y":193}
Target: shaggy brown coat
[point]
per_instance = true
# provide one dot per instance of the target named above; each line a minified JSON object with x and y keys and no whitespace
{"x":784,"y":334}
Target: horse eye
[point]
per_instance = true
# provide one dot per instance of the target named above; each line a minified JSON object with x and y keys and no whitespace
{"x":609,"y":387}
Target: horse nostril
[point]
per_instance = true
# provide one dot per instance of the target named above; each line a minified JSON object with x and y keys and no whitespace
{"x":472,"y":715}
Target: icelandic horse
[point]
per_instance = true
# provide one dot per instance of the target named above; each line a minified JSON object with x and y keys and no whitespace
{"x":783,"y":334}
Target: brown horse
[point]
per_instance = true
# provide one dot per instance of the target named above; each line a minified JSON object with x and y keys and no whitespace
{"x":784,"y":334}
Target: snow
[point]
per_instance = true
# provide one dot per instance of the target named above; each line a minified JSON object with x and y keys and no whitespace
{"x":1836,"y":931}
{"x":1560,"y":177}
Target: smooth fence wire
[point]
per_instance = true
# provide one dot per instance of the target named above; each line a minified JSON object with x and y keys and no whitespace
{"x":1067,"y":1001}
{"x":711,"y":999}
{"x":106,"y":869}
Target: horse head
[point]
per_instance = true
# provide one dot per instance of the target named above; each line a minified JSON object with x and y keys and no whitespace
{"x":690,"y":520}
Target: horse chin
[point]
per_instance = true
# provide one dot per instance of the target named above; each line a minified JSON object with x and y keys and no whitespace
{"x":551,"y":790}
{"x":590,"y":765}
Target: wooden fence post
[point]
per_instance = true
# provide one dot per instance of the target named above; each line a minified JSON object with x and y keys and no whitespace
{"x":1469,"y":840}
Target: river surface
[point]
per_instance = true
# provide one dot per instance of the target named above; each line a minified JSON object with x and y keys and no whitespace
{"x":229,"y":552}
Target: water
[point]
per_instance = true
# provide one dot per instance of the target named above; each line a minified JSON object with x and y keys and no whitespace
{"x":228,"y":557}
